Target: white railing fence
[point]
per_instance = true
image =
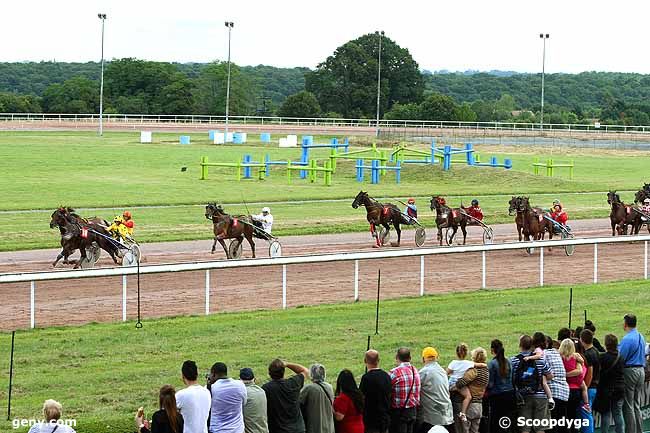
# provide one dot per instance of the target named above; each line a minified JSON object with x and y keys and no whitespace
{"x":34,"y":277}
{"x":316,"y":121}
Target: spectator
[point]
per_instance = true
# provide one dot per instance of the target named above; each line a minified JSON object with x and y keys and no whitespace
{"x":631,"y":350}
{"x":255,"y":420}
{"x":376,"y":388}
{"x":539,"y":344}
{"x":228,"y":399}
{"x":611,"y":388}
{"x":592,"y":360}
{"x":52,"y":414}
{"x":405,"y":396}
{"x":527,"y":382}
{"x":563,"y":334}
{"x":283,"y":397}
{"x":558,"y":384}
{"x":476,"y":380}
{"x":166,"y":420}
{"x":590,"y":326}
{"x":435,"y":403}
{"x":316,"y":401}
{"x":575,"y":374}
{"x":194,"y":401}
{"x":348,"y":404}
{"x":501,"y":395}
{"x":461,"y":398}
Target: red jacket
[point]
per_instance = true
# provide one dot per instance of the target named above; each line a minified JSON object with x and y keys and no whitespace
{"x":560,"y":217}
{"x":475,"y":212}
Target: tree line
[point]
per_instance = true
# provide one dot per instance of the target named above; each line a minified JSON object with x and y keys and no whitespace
{"x":343,"y":85}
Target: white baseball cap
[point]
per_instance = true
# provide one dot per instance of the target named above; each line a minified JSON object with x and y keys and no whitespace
{"x":266,"y":209}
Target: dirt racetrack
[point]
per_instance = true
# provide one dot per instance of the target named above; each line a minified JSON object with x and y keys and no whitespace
{"x":100,"y":299}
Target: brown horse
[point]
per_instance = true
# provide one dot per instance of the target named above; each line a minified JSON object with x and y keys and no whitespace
{"x":622,"y":215}
{"x":447,"y":217}
{"x":79,"y":234}
{"x":534,"y":223}
{"x":229,"y":227}
{"x":382,"y":214}
{"x":517,"y":208}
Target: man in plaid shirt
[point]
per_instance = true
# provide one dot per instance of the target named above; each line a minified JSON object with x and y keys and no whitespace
{"x":405,"y":397}
{"x":558,"y":385}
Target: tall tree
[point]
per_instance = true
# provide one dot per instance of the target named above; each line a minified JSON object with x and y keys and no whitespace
{"x":76,"y":95}
{"x":210,"y":91}
{"x":302,"y":104}
{"x":346,"y":82}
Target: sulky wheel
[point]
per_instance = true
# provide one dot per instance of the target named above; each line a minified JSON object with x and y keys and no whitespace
{"x":568,"y":249}
{"x":448,"y":236}
{"x":384,"y":235}
{"x":235,"y":249}
{"x":275,"y":249}
{"x":488,"y":236}
{"x":420,"y":236}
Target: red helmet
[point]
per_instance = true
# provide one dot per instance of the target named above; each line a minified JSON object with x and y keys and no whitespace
{"x":126,"y":214}
{"x":411,"y":200}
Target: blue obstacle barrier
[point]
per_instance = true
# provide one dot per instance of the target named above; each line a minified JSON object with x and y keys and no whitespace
{"x":185,"y":139}
{"x":268,"y":162}
{"x":239,"y":138}
{"x":494,"y":163}
{"x":248,"y":169}
{"x":376,"y":169}
{"x":211,"y":134}
{"x":265,"y":137}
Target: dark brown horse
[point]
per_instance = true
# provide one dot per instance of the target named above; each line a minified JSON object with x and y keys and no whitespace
{"x":447,"y":217}
{"x":383,"y":214}
{"x":642,"y":194}
{"x":534,"y":223}
{"x":78,"y":233}
{"x":517,"y":208}
{"x":229,"y":227}
{"x":622,"y":215}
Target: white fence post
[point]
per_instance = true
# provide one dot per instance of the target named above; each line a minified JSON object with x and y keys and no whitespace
{"x":645,"y":260}
{"x":421,"y":275}
{"x":207,"y":292}
{"x":123,"y":298}
{"x":356,"y":280}
{"x":284,"y":287}
{"x":32,"y":300}
{"x":541,"y":267}
{"x":595,"y":263}
{"x":484,"y":271}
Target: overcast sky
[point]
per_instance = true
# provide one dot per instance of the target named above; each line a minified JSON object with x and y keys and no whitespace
{"x":455,"y":35}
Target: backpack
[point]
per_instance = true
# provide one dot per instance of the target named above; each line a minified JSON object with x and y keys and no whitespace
{"x":527,"y":379}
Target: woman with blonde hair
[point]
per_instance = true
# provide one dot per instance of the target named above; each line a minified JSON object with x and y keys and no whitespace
{"x":476,"y":381}
{"x":576,"y":371}
{"x":52,"y":410}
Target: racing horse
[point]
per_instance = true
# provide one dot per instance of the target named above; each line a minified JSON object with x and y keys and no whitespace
{"x":78,"y":233}
{"x":382,"y":214}
{"x":227,"y":226}
{"x":622,"y":215}
{"x":534,"y":224}
{"x":447,"y":217}
{"x":642,"y":194}
{"x":517,"y":208}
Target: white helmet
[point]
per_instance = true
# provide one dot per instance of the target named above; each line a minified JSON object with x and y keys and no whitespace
{"x":647,"y":200}
{"x":266,"y":209}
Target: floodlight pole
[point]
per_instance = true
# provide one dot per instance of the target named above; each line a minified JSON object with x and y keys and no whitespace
{"x":381,"y":34}
{"x":230,"y":25}
{"x":544,"y":37}
{"x":101,"y":81}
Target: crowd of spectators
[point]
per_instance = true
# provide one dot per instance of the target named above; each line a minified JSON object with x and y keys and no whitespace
{"x":549,"y":383}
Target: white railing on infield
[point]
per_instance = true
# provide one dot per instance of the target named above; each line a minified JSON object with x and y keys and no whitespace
{"x":201,"y":119}
{"x":34,"y":277}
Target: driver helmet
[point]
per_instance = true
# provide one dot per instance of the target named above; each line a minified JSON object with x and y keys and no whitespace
{"x":127,"y":214}
{"x":474,"y":202}
{"x":557,"y":207}
{"x":266,"y":210}
{"x":646,"y":201}
{"x":411,"y":200}
{"x":556,"y":202}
